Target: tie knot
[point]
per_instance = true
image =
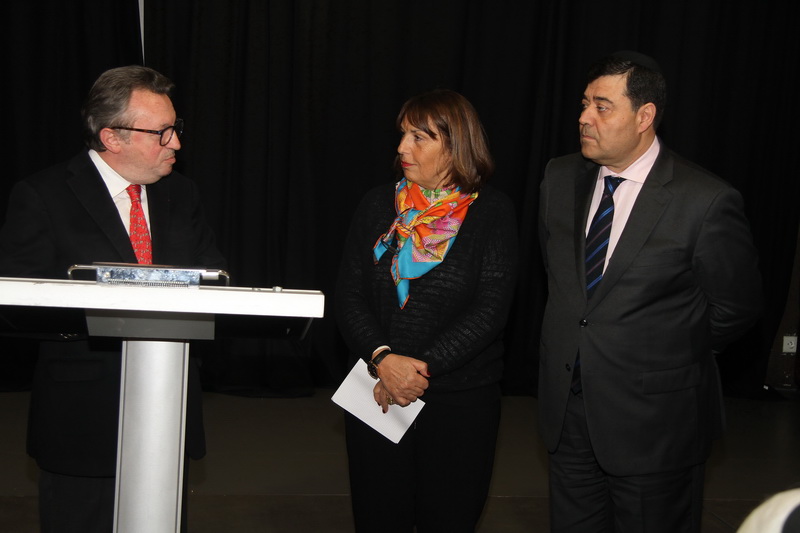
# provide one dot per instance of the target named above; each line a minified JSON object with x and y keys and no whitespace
{"x":612,"y":182}
{"x":135,"y":192}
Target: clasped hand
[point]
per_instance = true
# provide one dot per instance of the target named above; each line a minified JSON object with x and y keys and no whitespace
{"x":402,"y":380}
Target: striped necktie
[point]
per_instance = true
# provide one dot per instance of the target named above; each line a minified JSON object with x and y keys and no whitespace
{"x":140,"y":236}
{"x":598,"y":235}
{"x":596,"y":249}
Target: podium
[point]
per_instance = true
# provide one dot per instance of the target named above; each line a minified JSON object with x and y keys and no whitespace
{"x":156,"y":323}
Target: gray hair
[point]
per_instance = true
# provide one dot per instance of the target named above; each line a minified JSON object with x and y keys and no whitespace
{"x":106,"y":105}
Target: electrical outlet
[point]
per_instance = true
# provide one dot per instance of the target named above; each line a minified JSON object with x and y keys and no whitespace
{"x":790,"y":344}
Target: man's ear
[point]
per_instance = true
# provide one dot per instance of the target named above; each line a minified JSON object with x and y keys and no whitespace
{"x":111,"y":140}
{"x":646,"y":116}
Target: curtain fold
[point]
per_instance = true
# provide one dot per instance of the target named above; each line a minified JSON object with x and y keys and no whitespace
{"x":52,"y":52}
{"x":290,"y":109}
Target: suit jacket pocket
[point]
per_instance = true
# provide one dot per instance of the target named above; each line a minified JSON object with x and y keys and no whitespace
{"x":672,"y":379}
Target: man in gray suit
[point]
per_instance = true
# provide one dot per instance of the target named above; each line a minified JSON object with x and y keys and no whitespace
{"x":648,"y":276}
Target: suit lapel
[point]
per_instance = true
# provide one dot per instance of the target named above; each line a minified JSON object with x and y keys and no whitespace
{"x":584,"y":190}
{"x":647,"y":210}
{"x":92,"y":193}
{"x":158,"y":202}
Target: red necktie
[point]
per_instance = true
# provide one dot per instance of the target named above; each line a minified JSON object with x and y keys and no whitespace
{"x":140,"y":237}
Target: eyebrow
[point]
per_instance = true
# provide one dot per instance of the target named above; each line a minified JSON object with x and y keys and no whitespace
{"x":599,"y":99}
{"x":417,"y":130}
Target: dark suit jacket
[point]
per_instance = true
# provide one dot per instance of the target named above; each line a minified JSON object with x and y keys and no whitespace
{"x":682,"y":283}
{"x":64,"y":216}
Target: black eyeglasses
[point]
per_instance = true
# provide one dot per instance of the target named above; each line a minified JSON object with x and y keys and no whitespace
{"x":165,"y":134}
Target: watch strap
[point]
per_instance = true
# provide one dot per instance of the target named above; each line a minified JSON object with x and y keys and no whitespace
{"x":381,"y":355}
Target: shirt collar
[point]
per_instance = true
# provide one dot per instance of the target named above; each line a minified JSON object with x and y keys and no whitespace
{"x":115,"y":183}
{"x":640,"y":168}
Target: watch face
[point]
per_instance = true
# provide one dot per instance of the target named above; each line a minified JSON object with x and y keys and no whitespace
{"x":372,"y":369}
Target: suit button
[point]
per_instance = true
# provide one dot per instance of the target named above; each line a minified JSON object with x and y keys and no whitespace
{"x":583,"y":323}
{"x":568,"y":367}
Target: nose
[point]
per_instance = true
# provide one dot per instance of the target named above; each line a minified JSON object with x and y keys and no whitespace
{"x":174,"y":143}
{"x":585,"y":116}
{"x":402,"y":148}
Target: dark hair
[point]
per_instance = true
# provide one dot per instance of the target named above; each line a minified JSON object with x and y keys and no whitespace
{"x":462,"y":134}
{"x":645,"y":82}
{"x":107,"y":103}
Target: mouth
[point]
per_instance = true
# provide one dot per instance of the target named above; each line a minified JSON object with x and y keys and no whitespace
{"x":405,"y":165}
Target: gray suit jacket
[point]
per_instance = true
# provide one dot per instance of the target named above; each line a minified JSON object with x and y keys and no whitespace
{"x":682,"y":283}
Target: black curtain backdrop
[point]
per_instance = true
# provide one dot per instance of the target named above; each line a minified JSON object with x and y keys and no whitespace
{"x":290,"y":109}
{"x":51,"y":53}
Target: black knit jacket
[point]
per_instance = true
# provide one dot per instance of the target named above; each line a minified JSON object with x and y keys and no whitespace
{"x":455,"y":314}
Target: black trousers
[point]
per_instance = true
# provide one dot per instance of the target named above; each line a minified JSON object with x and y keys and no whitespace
{"x":75,"y":504}
{"x":72,"y":504}
{"x":585,"y":498}
{"x":436,"y":478}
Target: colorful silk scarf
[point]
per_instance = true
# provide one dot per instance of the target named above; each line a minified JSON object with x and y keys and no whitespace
{"x":432,"y":227}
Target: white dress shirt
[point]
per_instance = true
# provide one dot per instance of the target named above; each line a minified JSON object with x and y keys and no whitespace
{"x":117,"y":186}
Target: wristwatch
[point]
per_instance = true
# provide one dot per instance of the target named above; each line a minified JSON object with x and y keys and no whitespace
{"x":372,"y":364}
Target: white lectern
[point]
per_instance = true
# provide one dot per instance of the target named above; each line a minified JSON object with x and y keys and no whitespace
{"x":155,"y":322}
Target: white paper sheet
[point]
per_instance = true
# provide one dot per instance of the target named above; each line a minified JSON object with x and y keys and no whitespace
{"x":355,"y":396}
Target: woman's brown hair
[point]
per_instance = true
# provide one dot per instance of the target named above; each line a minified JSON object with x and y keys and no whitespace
{"x":463,"y":136}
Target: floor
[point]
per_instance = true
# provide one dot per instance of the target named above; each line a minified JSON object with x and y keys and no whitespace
{"x":279,"y":465}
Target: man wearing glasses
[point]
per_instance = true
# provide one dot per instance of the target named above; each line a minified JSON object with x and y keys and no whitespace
{"x":118,"y":201}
